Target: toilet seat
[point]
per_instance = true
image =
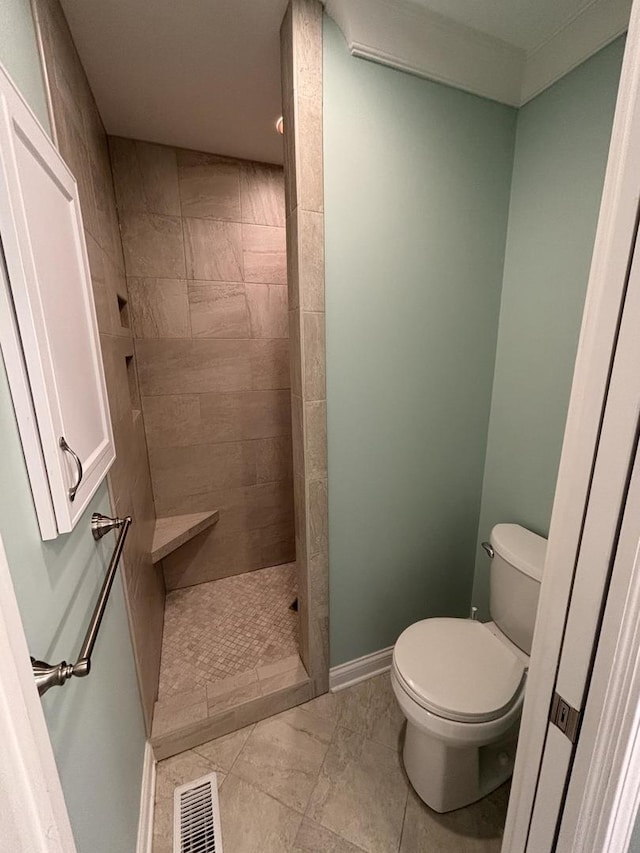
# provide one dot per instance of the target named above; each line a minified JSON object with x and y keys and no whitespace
{"x":458,"y":670}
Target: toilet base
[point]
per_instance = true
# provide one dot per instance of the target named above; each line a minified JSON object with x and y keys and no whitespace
{"x":448,"y":777}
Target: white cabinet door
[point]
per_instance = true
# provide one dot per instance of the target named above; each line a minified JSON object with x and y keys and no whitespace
{"x":50,"y":287}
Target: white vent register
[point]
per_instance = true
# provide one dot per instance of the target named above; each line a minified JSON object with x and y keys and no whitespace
{"x":196,"y":817}
{"x":48,"y":329}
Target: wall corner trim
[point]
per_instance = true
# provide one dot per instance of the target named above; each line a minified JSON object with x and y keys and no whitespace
{"x":354,"y":671}
{"x":147,"y":800}
{"x":418,"y":41}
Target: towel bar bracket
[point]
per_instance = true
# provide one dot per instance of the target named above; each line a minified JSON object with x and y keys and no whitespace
{"x":48,"y":675}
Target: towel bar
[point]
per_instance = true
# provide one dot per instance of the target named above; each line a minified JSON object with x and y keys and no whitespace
{"x":55,"y":675}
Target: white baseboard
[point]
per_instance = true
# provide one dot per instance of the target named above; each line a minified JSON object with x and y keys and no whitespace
{"x":355,"y":671}
{"x":147,"y":799}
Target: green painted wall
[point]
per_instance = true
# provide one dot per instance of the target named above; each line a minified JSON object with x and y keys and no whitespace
{"x":19,"y":55}
{"x":562,"y":141}
{"x":417,"y":179}
{"x":95,"y":724}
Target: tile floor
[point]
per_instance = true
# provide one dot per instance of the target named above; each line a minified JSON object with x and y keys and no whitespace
{"x":325,"y":777}
{"x":226,"y":627}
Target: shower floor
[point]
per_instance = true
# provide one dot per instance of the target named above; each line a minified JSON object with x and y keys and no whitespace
{"x":227,"y":627}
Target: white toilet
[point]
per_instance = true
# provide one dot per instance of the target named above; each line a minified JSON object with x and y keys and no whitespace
{"x":460,"y":683}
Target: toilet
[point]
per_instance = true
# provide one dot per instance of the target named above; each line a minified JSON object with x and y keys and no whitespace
{"x":460,"y":683}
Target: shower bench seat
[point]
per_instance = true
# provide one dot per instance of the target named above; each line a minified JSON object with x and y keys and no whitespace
{"x":173,"y":531}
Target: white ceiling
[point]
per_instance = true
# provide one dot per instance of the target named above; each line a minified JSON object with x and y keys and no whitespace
{"x":205,"y":74}
{"x":522,"y":23}
{"x":202,"y":74}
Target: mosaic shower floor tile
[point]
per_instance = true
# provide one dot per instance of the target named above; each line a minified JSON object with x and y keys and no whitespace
{"x":225,"y":627}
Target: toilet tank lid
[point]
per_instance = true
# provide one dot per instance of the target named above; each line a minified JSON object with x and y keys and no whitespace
{"x":521,"y":548}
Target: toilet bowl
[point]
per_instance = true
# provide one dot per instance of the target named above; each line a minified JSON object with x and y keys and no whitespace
{"x":460,"y":683}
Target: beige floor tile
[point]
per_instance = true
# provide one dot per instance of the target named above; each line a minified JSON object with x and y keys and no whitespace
{"x":284,"y":755}
{"x":253,"y":822}
{"x":361,"y":792}
{"x":477,"y":828}
{"x":222,"y":752}
{"x":372,"y":709}
{"x":313,"y":838}
{"x":163,"y":826}
{"x":328,"y":705}
{"x":178,"y":770}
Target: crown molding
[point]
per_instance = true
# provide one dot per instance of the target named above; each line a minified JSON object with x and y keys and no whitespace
{"x":411,"y":38}
{"x":595,"y":27}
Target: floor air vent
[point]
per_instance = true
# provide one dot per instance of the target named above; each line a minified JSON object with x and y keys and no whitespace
{"x":196,"y":817}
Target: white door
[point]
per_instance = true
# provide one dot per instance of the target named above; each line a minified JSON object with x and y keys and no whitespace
{"x":592,"y":492}
{"x":33,"y":814}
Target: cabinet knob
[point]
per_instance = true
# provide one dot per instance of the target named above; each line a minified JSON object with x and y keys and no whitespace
{"x":76,"y":459}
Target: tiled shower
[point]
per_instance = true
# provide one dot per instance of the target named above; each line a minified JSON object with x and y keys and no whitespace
{"x":213,"y":343}
{"x":204,"y":248}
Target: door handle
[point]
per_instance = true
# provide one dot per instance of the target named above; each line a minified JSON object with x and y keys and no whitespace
{"x":76,"y":459}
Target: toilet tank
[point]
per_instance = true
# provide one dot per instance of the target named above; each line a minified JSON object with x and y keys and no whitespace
{"x":514,"y":585}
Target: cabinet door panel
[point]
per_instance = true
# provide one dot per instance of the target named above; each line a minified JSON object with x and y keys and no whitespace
{"x":46,"y":259}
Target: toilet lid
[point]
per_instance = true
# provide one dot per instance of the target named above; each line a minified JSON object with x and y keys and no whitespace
{"x":458,"y":669}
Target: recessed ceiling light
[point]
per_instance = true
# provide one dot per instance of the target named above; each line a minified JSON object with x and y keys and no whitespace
{"x":280,"y":125}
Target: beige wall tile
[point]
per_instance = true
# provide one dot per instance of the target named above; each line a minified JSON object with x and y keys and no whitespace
{"x":301,"y":514}
{"x":264,"y":254}
{"x":77,"y":158}
{"x":145,"y":176}
{"x":310,"y":251}
{"x":255,"y":530}
{"x":290,"y":175}
{"x":213,"y":250}
{"x":246,"y":414}
{"x":297,"y":434}
{"x":317,"y":538}
{"x":172,"y":420}
{"x":159,"y":307}
{"x":153,"y":245}
{"x":274,"y":459}
{"x":319,"y":582}
{"x":222,"y":723}
{"x":308,"y":153}
{"x":295,"y":365}
{"x":174,"y":366}
{"x":218,"y":310}
{"x":307,"y":48}
{"x":315,"y":456}
{"x":313,"y":356}
{"x":293,"y":279}
{"x":184,"y":471}
{"x":209,"y":185}
{"x":270,"y":546}
{"x":267,"y":304}
{"x":269,"y":504}
{"x":270,"y":364}
{"x":105,"y":311}
{"x":262,"y":193}
{"x":286,"y":54}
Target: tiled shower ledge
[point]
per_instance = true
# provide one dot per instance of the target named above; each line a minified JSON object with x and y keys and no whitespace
{"x":196,"y":716}
{"x":172,"y":532}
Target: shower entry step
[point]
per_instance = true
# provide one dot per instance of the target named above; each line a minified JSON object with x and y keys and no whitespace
{"x":172,"y":532}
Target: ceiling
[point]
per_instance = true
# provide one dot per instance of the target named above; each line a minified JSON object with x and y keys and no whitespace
{"x":205,"y":74}
{"x":522,"y":23}
{"x":202,"y":74}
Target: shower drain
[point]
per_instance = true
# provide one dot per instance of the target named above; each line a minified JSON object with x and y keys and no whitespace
{"x":196,"y":817}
